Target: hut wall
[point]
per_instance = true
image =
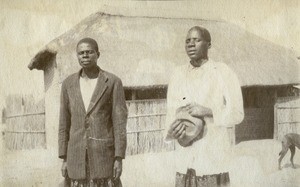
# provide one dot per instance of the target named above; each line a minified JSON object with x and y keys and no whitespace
{"x":154,"y":92}
{"x":259,"y":97}
{"x":52,"y":103}
{"x":146,"y":122}
{"x":25,"y":123}
{"x":258,"y":122}
{"x":287,"y":116}
{"x":288,"y":91}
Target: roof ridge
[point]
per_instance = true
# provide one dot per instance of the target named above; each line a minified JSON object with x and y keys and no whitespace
{"x":155,"y":17}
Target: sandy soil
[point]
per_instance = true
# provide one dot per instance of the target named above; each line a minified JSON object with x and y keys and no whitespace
{"x":254,"y":164}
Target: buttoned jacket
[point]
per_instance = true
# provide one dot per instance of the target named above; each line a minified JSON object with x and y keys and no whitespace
{"x":99,"y":131}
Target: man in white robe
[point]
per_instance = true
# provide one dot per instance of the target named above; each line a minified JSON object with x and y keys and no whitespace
{"x":211,"y":91}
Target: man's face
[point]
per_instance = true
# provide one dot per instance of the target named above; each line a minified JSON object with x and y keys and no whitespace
{"x":87,"y":55}
{"x":195,"y":45}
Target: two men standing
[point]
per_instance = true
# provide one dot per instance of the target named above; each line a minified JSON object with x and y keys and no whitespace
{"x":92,"y":131}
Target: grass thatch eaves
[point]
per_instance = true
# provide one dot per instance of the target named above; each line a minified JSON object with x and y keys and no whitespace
{"x":142,"y":50}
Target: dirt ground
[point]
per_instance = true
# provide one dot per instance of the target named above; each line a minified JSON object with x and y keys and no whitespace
{"x":254,"y":164}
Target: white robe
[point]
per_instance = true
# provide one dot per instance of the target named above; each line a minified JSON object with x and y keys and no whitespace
{"x":214,"y":86}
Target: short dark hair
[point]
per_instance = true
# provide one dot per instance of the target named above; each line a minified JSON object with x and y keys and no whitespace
{"x":90,"y":41}
{"x":204,"y":33}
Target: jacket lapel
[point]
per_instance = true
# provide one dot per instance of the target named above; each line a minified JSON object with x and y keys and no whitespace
{"x":99,"y":90}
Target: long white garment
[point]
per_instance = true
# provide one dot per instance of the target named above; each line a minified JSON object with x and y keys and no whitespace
{"x":87,"y":87}
{"x":214,"y":86}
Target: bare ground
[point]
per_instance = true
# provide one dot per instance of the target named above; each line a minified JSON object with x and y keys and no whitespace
{"x":254,"y":164}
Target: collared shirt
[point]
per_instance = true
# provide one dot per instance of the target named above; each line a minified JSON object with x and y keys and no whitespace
{"x":87,"y":87}
{"x":212,"y":85}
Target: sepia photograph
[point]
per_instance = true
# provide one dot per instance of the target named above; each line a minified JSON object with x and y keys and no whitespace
{"x":150,"y":93}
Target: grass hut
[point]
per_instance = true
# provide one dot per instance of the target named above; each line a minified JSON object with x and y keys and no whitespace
{"x":287,"y":116}
{"x":143,"y":50}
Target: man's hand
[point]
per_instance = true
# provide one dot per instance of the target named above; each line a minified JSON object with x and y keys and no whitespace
{"x":117,"y":168}
{"x":64,"y":169}
{"x":177,"y":129}
{"x":197,"y":110}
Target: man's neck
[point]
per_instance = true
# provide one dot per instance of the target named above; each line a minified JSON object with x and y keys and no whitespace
{"x":199,"y":62}
{"x":90,"y":73}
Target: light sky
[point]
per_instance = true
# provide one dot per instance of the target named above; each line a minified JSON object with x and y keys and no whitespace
{"x":26,"y":26}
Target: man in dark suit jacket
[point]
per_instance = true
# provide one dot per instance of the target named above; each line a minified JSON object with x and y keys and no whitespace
{"x":92,"y":124}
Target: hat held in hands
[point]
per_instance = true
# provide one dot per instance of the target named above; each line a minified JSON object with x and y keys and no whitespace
{"x":194,"y":127}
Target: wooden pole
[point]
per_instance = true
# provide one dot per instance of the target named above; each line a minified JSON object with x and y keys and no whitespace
{"x":231,"y":134}
{"x":275,"y":136}
{"x":133,"y":94}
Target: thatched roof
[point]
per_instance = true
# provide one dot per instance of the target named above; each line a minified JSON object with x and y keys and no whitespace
{"x":143,"y":50}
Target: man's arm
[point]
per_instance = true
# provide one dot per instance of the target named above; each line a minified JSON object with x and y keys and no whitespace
{"x":199,"y":111}
{"x":119,"y":119}
{"x":172,"y":104}
{"x":232,"y":111}
{"x":64,"y":124}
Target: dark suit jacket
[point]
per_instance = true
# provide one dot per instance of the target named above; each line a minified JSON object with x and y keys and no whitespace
{"x":101,"y":130}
